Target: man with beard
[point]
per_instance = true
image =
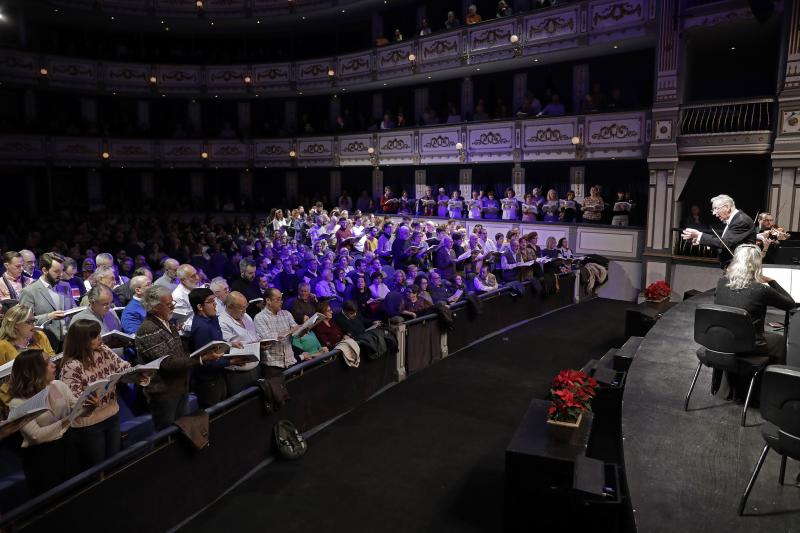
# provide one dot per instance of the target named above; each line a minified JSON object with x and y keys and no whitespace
{"x":49,"y":298}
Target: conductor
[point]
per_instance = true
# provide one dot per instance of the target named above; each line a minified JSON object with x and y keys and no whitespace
{"x":739,"y":229}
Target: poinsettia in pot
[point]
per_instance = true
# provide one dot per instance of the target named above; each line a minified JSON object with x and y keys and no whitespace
{"x":658,"y":291}
{"x":571,"y":393}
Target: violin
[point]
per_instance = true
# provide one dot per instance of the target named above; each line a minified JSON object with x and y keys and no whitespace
{"x":778,"y":234}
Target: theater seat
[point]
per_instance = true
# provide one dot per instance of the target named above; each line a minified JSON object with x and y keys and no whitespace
{"x":133,"y":428}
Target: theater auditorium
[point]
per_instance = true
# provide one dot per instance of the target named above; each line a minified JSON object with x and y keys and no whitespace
{"x":400,"y":265}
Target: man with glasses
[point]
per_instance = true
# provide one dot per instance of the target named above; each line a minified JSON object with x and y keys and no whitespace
{"x":739,"y":229}
{"x":170,"y":277}
{"x":275,"y":323}
{"x":237,"y":325}
{"x":168,"y":392}
{"x":50,"y":297}
{"x":12,"y":281}
{"x":134,"y":313}
{"x":188,"y":277}
{"x":101,"y":309}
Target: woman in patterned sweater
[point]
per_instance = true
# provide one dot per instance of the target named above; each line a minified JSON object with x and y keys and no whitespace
{"x":86,"y":360}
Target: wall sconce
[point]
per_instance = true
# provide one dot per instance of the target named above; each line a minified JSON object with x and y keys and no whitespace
{"x":516,"y":45}
{"x":43,"y":72}
{"x":462,"y":154}
{"x":105,"y":156}
{"x":579,"y":148}
{"x":199,"y":5}
{"x":373,"y":157}
{"x":413,"y":59}
{"x":290,"y":4}
{"x":247,"y":80}
{"x":204,"y":155}
{"x":152,"y":80}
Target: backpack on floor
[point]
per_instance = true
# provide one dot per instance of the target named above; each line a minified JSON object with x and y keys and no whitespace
{"x":288,"y":440}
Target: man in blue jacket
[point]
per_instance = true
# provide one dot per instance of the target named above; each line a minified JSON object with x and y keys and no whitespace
{"x":134,"y":313}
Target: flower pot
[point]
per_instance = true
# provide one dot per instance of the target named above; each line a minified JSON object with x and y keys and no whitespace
{"x":576,"y":423}
{"x":657,"y":300}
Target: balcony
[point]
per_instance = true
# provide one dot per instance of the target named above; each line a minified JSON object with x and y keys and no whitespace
{"x":579,"y":29}
{"x":737,"y":127}
{"x":566,"y":138}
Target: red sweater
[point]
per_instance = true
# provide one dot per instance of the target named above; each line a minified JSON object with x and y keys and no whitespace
{"x":328,"y":335}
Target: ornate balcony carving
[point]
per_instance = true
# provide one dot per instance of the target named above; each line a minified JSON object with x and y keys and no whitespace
{"x":732,"y":126}
{"x":574,"y":26}
{"x":617,"y":135}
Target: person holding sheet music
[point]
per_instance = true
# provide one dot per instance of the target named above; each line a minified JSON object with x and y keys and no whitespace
{"x":491,"y":207}
{"x":475,"y":205}
{"x":510,"y":259}
{"x":564,"y":251}
{"x":208,"y":381}
{"x":134,"y":313}
{"x":550,"y":248}
{"x":551,"y":207}
{"x":445,"y":258}
{"x":426,"y":206}
{"x":168,"y":392}
{"x":568,"y":208}
{"x":100,"y":309}
{"x":49,"y":456}
{"x":50,"y":298}
{"x":621,"y":210}
{"x":739,"y":229}
{"x":275,"y":323}
{"x":328,"y":330}
{"x":237,"y":326}
{"x":593,"y":206}
{"x":530,"y":210}
{"x":510,"y":205}
{"x":455,"y":205}
{"x":389,"y":204}
{"x":86,"y":360}
{"x":485,"y":281}
{"x":406,"y":204}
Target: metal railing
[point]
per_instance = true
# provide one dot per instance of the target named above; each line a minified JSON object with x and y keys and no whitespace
{"x":686,"y":249}
{"x":728,"y":117}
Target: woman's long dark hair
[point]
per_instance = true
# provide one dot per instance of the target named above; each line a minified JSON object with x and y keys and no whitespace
{"x":28,"y":374}
{"x":77,"y":344}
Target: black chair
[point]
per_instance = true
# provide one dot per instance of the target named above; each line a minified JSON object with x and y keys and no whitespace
{"x":780,"y":408}
{"x":727,"y":339}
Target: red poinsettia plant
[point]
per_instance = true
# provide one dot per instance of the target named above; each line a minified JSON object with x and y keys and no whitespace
{"x":658,"y":290}
{"x":571,"y":393}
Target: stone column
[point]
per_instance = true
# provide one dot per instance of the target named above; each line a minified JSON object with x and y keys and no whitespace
{"x":245,"y":187}
{"x":465,"y":182}
{"x":420,"y":102}
{"x":146,"y":181}
{"x":377,"y":105}
{"x":335,"y":186}
{"x":467,"y":98}
{"x":292,"y":186}
{"x":143,"y":114}
{"x":517,"y":182}
{"x":94,"y":185}
{"x":290,"y":115}
{"x":195,"y":114}
{"x":420,"y":182}
{"x":377,"y":185}
{"x":580,"y":84}
{"x":577,"y":181}
{"x":520,"y":89}
{"x":784,"y":191}
{"x":334,"y":110}
{"x":243,"y":114}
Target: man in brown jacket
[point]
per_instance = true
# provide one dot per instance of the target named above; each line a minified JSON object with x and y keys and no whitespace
{"x":168,"y":393}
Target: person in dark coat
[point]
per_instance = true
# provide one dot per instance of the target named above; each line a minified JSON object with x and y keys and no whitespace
{"x":739,"y":229}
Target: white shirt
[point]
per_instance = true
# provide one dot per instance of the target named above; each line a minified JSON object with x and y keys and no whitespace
{"x":54,"y":296}
{"x":244,"y":332}
{"x":181,"y":298}
{"x":728,"y":220}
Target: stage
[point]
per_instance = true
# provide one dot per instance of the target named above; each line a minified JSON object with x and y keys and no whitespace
{"x":686,"y":471}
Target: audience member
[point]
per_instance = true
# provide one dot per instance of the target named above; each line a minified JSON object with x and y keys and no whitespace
{"x":472,"y":15}
{"x":49,"y":297}
{"x":13,"y":281}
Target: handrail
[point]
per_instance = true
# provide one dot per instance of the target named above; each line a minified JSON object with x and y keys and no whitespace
{"x":715,"y":103}
{"x":730,"y":116}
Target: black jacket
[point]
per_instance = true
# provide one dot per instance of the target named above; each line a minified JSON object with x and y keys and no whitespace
{"x":741,"y":230}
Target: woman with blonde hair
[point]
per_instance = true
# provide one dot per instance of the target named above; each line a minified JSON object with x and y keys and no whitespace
{"x":746,"y":287}
{"x":17,"y":333}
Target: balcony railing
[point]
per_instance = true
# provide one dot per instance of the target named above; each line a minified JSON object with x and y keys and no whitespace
{"x":574,"y":26}
{"x":728,"y":117}
{"x":600,"y":136}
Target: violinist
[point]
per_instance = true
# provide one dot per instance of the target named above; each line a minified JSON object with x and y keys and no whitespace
{"x":769,"y":236}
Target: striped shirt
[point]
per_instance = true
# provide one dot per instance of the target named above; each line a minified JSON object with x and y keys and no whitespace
{"x":269,"y":326}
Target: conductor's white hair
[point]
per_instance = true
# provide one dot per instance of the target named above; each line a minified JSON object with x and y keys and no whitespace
{"x":723,"y":199}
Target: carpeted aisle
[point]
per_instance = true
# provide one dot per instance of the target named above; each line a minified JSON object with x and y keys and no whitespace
{"x":428,"y":454}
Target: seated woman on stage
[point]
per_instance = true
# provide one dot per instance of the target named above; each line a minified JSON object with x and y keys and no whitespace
{"x":564,"y":251}
{"x":744,"y":286}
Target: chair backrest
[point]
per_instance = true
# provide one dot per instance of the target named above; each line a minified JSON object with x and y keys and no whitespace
{"x":780,"y":399}
{"x":722,"y":328}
